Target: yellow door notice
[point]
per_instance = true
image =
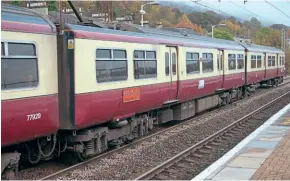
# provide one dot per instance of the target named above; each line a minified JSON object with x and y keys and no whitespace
{"x":70,"y":44}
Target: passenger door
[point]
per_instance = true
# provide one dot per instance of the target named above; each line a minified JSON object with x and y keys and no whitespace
{"x":265,"y":64}
{"x":171,"y":62}
{"x":277,"y":64}
{"x":220,"y":68}
{"x":222,"y":59}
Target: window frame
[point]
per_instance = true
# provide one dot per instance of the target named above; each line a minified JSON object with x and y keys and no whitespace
{"x":253,"y":60}
{"x":239,"y":58}
{"x":6,"y":56}
{"x":145,"y":59}
{"x":218,"y":62}
{"x":175,"y":65}
{"x":167,"y":74}
{"x":269,"y":60}
{"x":274,"y":60}
{"x":111,"y":59}
{"x":235,"y":68}
{"x":192,"y":60}
{"x":261,"y":58}
{"x":207,"y":59}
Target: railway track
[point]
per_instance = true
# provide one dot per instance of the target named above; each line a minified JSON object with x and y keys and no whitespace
{"x":204,"y":148}
{"x":62,"y":172}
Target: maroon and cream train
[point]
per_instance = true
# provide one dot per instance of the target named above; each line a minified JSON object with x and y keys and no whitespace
{"x":91,"y":88}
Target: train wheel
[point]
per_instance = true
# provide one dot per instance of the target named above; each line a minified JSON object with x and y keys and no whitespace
{"x":81,"y":157}
{"x":276,"y":82}
{"x":240,"y":94}
{"x":229,"y":98}
{"x":224,"y":101}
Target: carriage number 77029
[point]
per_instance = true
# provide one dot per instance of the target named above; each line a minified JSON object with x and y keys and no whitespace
{"x":33,"y":116}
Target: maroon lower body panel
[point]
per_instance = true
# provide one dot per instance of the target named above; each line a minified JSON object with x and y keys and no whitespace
{"x":271,"y":73}
{"x":255,"y":77}
{"x":99,"y":107}
{"x":281,"y":71}
{"x":234,"y":80}
{"x":194,"y":88}
{"x":28,"y":118}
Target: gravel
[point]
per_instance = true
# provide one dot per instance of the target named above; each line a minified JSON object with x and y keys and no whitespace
{"x":132,"y":162}
{"x":184,"y":170}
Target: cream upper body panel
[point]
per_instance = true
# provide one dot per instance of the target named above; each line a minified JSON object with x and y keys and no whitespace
{"x":85,"y":65}
{"x":226,"y":67}
{"x":201,"y":74}
{"x":281,"y":60}
{"x":46,"y":52}
{"x":267,"y":60}
{"x":249,"y":59}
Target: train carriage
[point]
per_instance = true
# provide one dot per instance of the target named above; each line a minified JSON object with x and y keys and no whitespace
{"x":263,"y":65}
{"x":90,"y":88}
{"x":281,"y":64}
{"x":29,"y":95}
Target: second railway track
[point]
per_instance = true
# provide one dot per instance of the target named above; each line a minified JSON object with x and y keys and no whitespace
{"x":183,"y":162}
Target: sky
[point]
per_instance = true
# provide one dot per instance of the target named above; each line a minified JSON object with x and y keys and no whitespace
{"x":260,"y":9}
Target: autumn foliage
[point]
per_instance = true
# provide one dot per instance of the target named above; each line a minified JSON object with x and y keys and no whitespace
{"x":232,"y":26}
{"x":186,"y":23}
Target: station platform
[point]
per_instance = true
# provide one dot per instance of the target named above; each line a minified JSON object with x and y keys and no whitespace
{"x":263,"y":155}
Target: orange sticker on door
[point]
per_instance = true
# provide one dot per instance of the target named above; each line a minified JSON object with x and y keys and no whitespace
{"x":131,"y":94}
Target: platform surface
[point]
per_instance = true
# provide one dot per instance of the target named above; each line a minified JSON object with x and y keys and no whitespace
{"x":264,"y":154}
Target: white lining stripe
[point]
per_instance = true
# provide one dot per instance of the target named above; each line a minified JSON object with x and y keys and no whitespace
{"x":220,"y":162}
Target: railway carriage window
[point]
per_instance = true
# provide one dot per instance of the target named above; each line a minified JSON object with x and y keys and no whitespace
{"x":139,"y":54}
{"x":207,"y":62}
{"x":218,"y":61}
{"x":19,"y":69}
{"x":232,"y":61}
{"x":273,"y":60}
{"x":253,"y":61}
{"x":119,"y":54}
{"x":145,"y":64}
{"x":111,"y":65}
{"x":283,"y":60}
{"x":2,"y":49}
{"x":259,"y":61}
{"x":269,"y":61}
{"x":173,"y":63}
{"x":222,"y":62}
{"x":21,"y":49}
{"x":167,"y":63}
{"x":192,"y":63}
{"x":150,"y":55}
{"x":240,"y":60}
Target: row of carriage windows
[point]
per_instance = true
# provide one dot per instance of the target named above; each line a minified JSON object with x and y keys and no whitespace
{"x":111,"y":64}
{"x":256,"y":61}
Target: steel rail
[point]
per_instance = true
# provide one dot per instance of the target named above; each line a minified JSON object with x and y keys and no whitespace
{"x":189,"y":120}
{"x":158,"y":169}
